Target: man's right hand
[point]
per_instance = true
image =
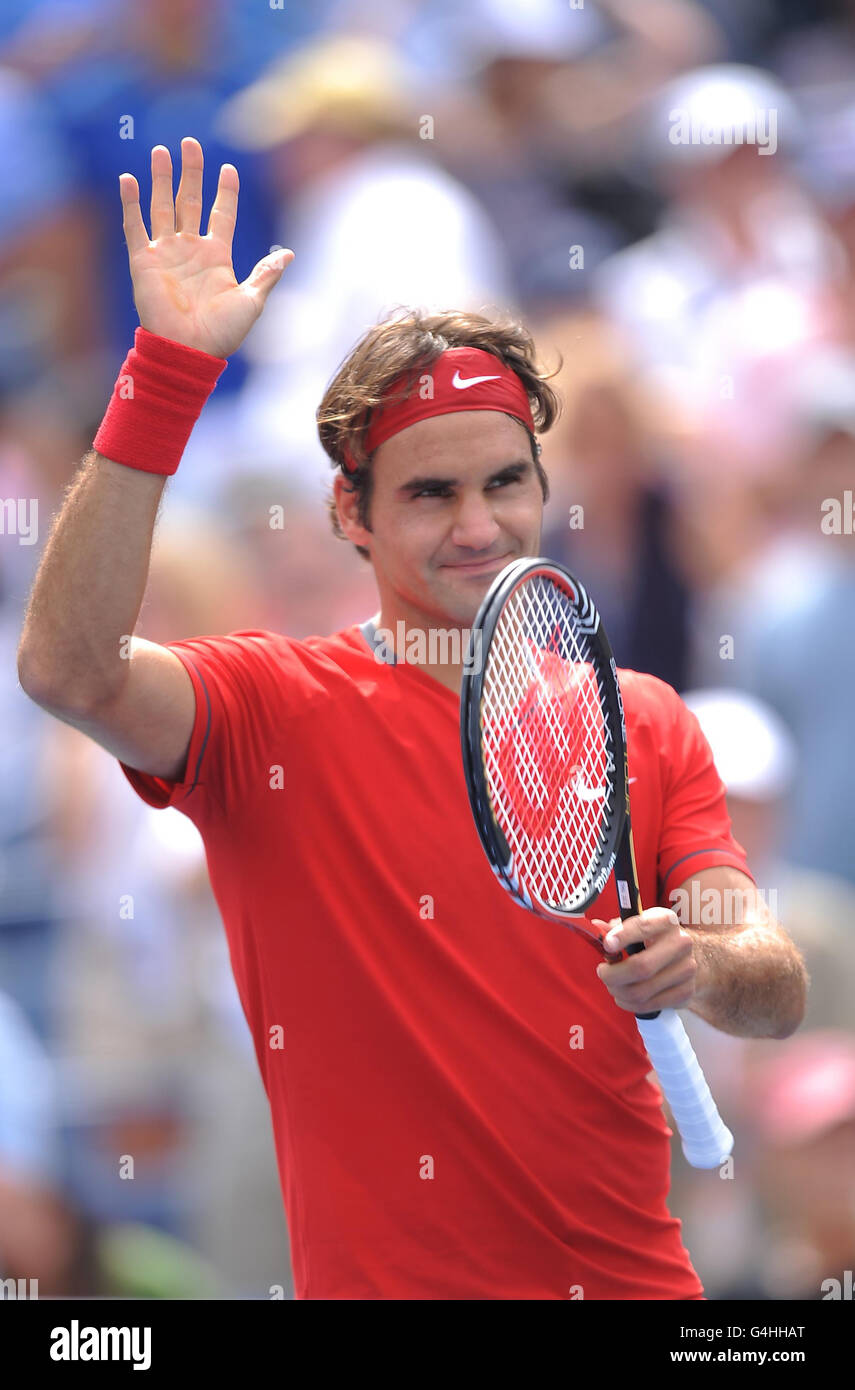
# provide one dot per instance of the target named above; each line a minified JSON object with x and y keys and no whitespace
{"x":184,"y":285}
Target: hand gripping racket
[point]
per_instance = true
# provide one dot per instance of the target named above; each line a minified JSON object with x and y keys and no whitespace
{"x":544,"y":754}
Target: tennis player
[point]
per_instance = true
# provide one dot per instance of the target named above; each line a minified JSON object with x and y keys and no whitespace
{"x":461,"y":1101}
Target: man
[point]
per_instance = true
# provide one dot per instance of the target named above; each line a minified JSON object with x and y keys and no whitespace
{"x":437,"y":1135}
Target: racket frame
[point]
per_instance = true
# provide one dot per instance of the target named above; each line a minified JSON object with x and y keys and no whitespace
{"x":616,"y":852}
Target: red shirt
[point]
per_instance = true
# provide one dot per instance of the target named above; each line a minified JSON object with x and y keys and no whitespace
{"x":437,"y":1134}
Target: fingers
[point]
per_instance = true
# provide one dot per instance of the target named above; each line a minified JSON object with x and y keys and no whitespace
{"x":162,"y":206}
{"x":136,"y":236}
{"x":660,"y":976}
{"x":188,"y":203}
{"x":670,"y":943}
{"x":221,"y":223}
{"x":670,"y":988}
{"x":646,"y":928}
{"x":265,"y":274}
{"x":185,"y":213}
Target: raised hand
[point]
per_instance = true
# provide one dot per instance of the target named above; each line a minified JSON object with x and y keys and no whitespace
{"x":184,"y":285}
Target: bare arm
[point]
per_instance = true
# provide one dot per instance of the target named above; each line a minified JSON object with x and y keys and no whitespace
{"x":719,"y":952}
{"x":76,"y":657}
{"x":751,"y":979}
{"x":90,"y":584}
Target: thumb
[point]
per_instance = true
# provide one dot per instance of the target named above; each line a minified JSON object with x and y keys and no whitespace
{"x":266,"y":273}
{"x":605,"y":930}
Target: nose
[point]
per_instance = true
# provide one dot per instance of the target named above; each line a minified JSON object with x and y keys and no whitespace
{"x":475,"y":526}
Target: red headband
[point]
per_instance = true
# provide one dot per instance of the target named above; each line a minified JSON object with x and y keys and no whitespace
{"x":461,"y":378}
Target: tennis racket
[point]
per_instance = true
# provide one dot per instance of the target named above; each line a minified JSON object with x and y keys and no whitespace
{"x":544,"y":754}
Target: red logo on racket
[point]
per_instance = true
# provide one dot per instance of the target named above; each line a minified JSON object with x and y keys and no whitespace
{"x":539,"y":754}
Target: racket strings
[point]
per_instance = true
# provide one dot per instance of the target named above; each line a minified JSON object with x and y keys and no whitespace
{"x":546,"y":744}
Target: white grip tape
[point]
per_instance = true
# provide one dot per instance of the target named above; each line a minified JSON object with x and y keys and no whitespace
{"x":706,"y":1139}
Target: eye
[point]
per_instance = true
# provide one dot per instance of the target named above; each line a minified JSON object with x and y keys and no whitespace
{"x":441,"y":490}
{"x":436,"y":491}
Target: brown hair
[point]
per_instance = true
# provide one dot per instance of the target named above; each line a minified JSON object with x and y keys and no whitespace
{"x":408,"y":344}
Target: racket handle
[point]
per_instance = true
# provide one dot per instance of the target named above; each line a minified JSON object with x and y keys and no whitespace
{"x":706,"y":1139}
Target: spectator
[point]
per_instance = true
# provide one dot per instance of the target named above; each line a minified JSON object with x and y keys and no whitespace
{"x":725,"y":299}
{"x":374,"y":223}
{"x":613,"y":518}
{"x":792,"y":599}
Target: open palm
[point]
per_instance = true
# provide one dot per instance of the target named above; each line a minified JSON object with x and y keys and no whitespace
{"x":184,"y":285}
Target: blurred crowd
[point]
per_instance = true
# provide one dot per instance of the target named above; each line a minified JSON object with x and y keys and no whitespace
{"x":664,"y":191}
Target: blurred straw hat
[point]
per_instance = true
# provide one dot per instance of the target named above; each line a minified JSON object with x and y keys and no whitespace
{"x":347,"y":84}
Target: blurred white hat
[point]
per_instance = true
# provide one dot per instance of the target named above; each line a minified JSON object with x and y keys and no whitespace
{"x":537,"y":29}
{"x":484,"y":31}
{"x":721,"y":108}
{"x":753,"y":749}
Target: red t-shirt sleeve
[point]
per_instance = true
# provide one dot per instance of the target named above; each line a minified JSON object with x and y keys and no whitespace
{"x":696,"y":832}
{"x":225,"y":685}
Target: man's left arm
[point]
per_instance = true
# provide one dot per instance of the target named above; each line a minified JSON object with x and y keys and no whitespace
{"x":728,"y":959}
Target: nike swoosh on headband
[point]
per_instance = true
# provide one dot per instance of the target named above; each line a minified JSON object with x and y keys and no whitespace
{"x":462,"y":382}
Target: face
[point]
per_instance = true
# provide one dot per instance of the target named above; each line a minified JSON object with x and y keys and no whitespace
{"x":455,"y":499}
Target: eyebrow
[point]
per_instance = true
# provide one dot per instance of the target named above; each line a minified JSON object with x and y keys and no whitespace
{"x":517,"y":469}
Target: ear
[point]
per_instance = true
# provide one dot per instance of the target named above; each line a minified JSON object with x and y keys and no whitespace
{"x":347,"y":506}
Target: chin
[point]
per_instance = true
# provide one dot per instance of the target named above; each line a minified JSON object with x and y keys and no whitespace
{"x":461,"y":608}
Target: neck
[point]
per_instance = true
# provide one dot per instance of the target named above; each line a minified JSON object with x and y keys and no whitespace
{"x":438,"y":648}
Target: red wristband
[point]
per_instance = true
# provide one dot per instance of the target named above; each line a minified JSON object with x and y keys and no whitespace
{"x":156,"y":401}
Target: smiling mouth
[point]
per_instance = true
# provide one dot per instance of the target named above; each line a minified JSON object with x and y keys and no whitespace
{"x":477,"y":565}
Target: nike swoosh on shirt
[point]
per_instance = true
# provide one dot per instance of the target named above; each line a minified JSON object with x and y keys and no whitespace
{"x":462,"y":382}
